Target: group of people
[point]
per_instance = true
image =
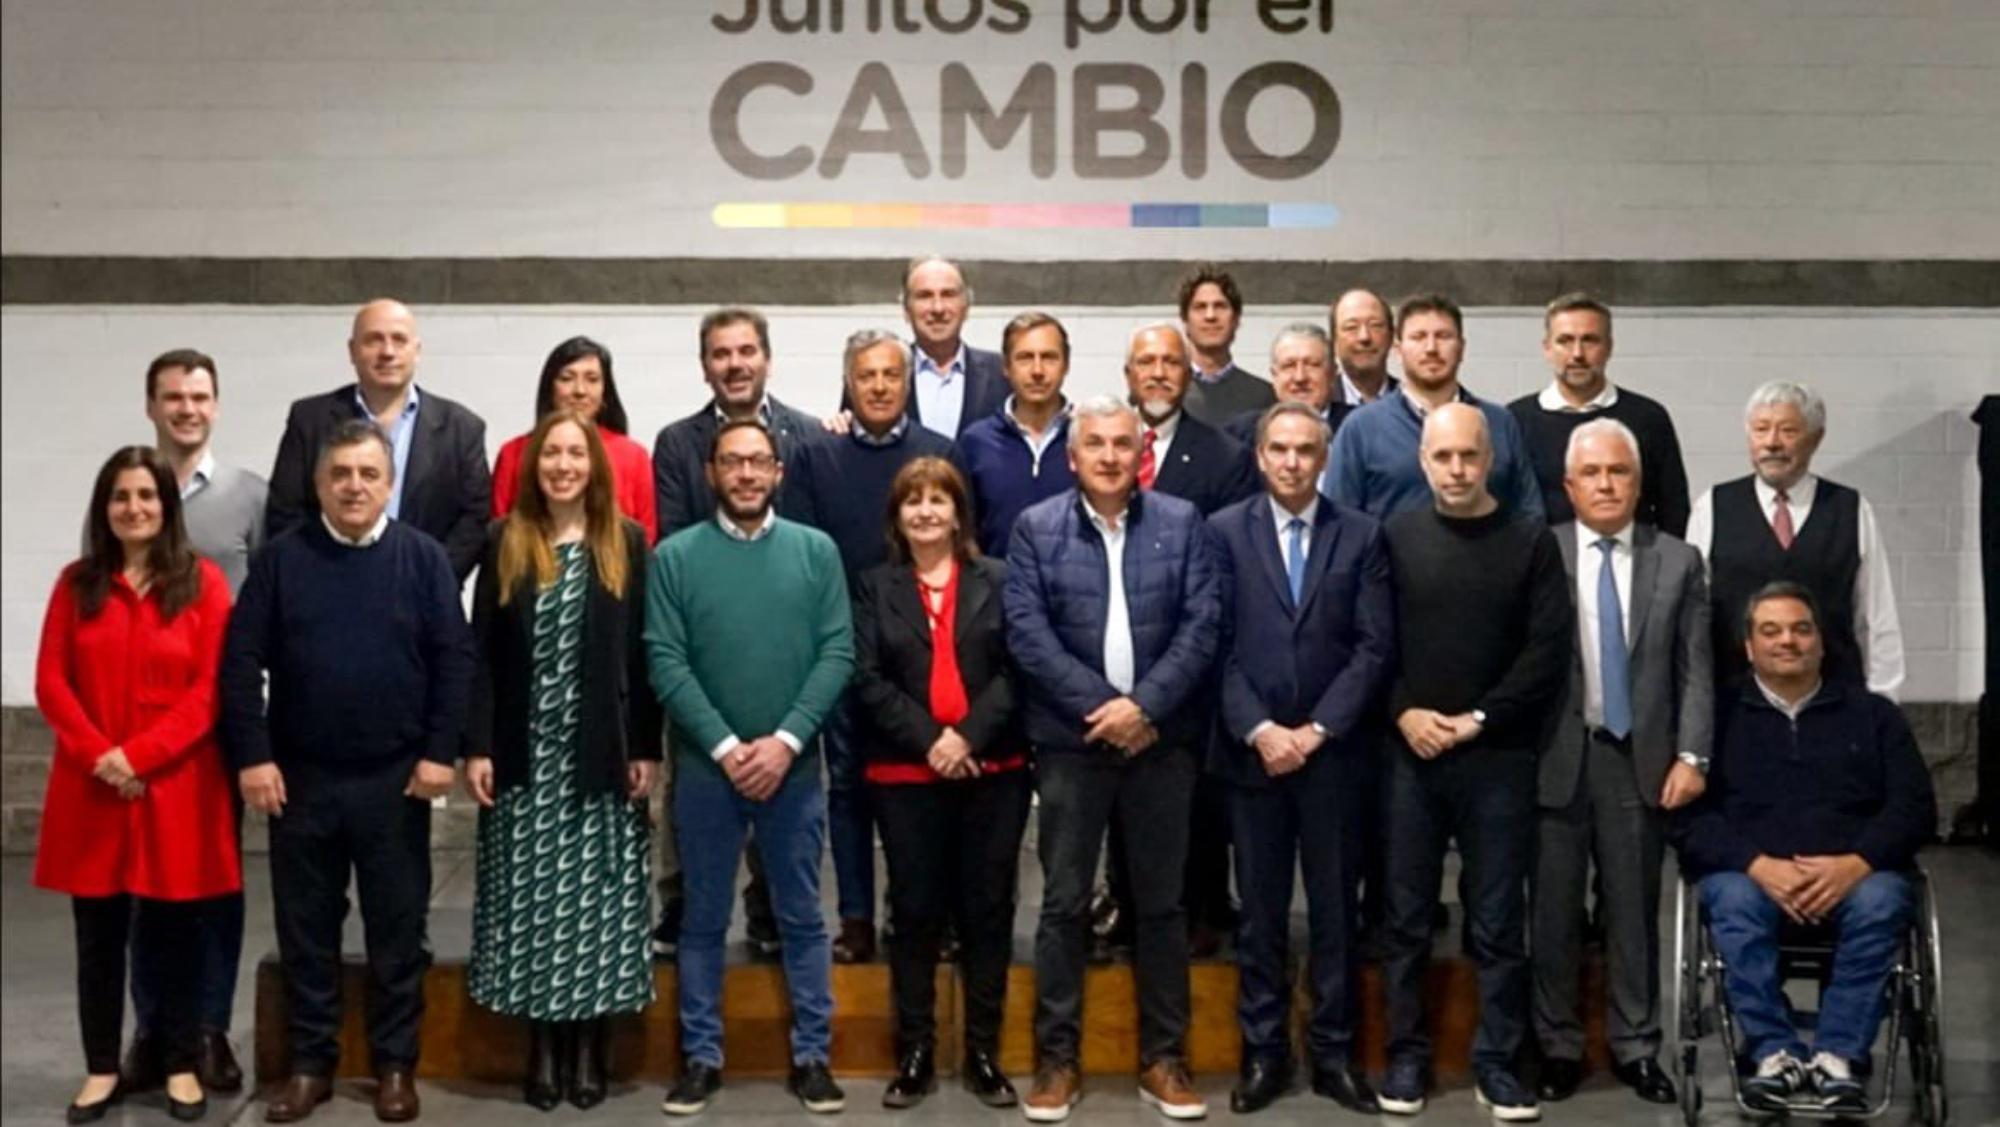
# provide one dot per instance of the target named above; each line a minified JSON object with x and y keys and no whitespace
{"x":1233,"y":626}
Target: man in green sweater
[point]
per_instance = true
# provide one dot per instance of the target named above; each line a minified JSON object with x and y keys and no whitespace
{"x":750,"y":645}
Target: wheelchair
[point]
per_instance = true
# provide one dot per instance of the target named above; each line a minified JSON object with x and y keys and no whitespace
{"x":1913,"y":1017}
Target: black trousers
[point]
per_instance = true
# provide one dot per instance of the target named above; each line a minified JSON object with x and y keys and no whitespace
{"x":1205,"y":878}
{"x":104,"y":932}
{"x":954,"y":853}
{"x":338,"y":823}
{"x":1319,"y":830}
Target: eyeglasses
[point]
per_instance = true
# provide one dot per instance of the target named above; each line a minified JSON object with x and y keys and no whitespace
{"x":730,"y":463}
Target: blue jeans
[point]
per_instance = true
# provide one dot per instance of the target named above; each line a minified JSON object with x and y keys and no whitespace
{"x":850,"y":818}
{"x":1867,"y":928}
{"x":710,"y":821}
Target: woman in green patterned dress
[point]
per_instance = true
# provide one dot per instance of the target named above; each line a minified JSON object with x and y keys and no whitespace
{"x":565,"y":746}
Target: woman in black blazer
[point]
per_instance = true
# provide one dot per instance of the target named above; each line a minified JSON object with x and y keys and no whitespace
{"x":564,"y":749}
{"x":946,"y":767}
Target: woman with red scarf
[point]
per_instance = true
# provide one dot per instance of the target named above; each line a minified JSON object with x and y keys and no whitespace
{"x":947,"y":769}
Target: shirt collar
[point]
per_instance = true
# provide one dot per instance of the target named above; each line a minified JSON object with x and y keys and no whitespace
{"x":1350,"y":392}
{"x":1587,"y":537}
{"x":204,"y":472}
{"x":1061,"y":416}
{"x":1283,"y":516}
{"x":1214,"y":377}
{"x":1552,"y":399}
{"x":366,"y":540}
{"x":889,"y":438}
{"x":1799,"y":496}
{"x":924,"y":363}
{"x":1098,"y":522}
{"x":1163,"y":431}
{"x":734,"y":533}
{"x":763,"y":411}
{"x":410,"y":404}
{"x":1775,"y":701}
{"x":1420,"y":410}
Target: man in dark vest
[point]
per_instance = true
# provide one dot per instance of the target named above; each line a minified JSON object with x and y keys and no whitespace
{"x":1783,"y":522}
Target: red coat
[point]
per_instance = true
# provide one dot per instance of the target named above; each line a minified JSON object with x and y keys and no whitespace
{"x":126,"y":679}
{"x":631,"y":478}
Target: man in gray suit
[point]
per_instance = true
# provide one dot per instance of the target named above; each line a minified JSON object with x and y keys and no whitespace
{"x":1632,"y":742}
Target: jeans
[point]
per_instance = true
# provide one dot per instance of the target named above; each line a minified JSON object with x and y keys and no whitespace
{"x":850,"y":817}
{"x":711,"y":820}
{"x":1867,"y":926}
{"x":1151,"y":792}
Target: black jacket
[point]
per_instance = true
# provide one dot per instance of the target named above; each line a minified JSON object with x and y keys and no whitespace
{"x":1205,"y":467}
{"x":447,"y":485}
{"x":621,"y":716}
{"x":892,"y":668}
{"x":680,"y":460}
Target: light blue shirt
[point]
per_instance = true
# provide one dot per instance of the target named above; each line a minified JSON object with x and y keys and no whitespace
{"x":401,"y":434}
{"x":940,"y":391}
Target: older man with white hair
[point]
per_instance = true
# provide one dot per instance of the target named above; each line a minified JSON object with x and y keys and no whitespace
{"x":1785,"y":523}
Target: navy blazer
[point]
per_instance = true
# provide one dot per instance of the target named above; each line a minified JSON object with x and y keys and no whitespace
{"x":447,"y":484}
{"x":986,"y":387}
{"x":1327,"y":660}
{"x":680,"y":461}
{"x":1205,"y":467}
{"x":1056,"y":600}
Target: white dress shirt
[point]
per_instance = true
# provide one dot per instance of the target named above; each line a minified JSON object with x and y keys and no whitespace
{"x":1119,"y":662}
{"x":1350,"y":394}
{"x":940,"y":392}
{"x":1589,"y":572}
{"x":1552,"y":399}
{"x":365,"y":540}
{"x":1876,"y":627}
{"x":1163,"y":437}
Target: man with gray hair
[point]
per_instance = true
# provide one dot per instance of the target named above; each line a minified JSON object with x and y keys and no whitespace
{"x":1114,"y":614}
{"x":953,"y":383}
{"x":1302,"y":371}
{"x":841,"y":487}
{"x":1632,"y":744}
{"x":1783,"y":522}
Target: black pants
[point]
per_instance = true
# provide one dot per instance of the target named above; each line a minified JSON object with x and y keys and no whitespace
{"x":954,"y":853}
{"x":103,"y":933}
{"x":1205,"y":878}
{"x":359,"y":822}
{"x":1318,"y":829}
{"x":1151,"y":792}
{"x":220,"y":942}
{"x":1484,"y":797}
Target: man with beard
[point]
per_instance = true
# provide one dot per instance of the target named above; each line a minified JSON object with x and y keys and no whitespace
{"x":750,"y":645}
{"x":1362,"y":330}
{"x":1212,"y":309}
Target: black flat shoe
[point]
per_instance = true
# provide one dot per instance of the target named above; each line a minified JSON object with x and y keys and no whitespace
{"x":916,"y":1077}
{"x":91,"y":1113}
{"x":982,"y":1077}
{"x":542,"y":1088}
{"x":1262,"y":1082}
{"x":187,"y":1112}
{"x":586,"y":1086}
{"x":1558,"y":1079}
{"x":1647,"y":1080}
{"x":1346,"y":1087}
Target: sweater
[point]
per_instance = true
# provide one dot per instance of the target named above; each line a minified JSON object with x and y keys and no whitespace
{"x":1484,"y":619}
{"x":747,"y":638}
{"x":368,"y":652}
{"x":841,"y":487}
{"x":1663,"y":483}
{"x":225,"y":521}
{"x":1005,"y":477}
{"x":1235,"y":392}
{"x":1374,"y":466}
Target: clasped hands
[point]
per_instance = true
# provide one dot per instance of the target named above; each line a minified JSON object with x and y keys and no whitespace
{"x":1808,"y":888}
{"x":1285,"y":750}
{"x":1121,"y":723}
{"x":1431,"y":734}
{"x":951,"y":756}
{"x":757,"y":768}
{"x":115,"y":771}
{"x":640,"y":775}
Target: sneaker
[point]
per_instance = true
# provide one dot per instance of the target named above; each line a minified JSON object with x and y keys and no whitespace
{"x":1839,"y":1092}
{"x":698,"y":1081}
{"x":1506,"y":1097}
{"x":1403,"y":1086}
{"x":1056,"y":1090}
{"x":1779,"y":1077}
{"x":1167,"y":1086}
{"x":814,"y":1087}
{"x":761,"y":934}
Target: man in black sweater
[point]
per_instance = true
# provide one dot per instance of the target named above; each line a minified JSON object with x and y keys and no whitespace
{"x":356,"y":619}
{"x":1486,"y":624}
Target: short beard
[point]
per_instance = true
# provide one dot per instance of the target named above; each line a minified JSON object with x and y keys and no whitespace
{"x":742,"y":515}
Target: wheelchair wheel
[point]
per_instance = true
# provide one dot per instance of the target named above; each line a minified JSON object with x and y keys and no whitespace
{"x":1927,"y":1018}
{"x":1690,"y":1069}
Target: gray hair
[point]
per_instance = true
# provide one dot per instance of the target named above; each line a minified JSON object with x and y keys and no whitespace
{"x":1593,"y":429}
{"x":1289,"y":408}
{"x":861,"y":341}
{"x":357,"y":432}
{"x":1173,"y":327}
{"x":1098,"y":407}
{"x":1781,"y":392}
{"x":1301,"y":330}
{"x":903,"y":288}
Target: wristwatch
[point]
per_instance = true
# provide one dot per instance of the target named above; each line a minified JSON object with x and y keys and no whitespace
{"x":1694,"y":761}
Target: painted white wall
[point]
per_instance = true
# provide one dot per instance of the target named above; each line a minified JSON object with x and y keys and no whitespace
{"x":1470,"y":129}
{"x":1899,"y":385}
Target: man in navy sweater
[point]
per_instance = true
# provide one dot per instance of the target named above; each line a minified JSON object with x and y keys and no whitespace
{"x":841,"y":487}
{"x":1817,"y":802}
{"x":1005,"y":456}
{"x":356,"y":619}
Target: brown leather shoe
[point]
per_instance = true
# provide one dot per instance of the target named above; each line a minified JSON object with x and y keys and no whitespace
{"x":1057,"y":1088}
{"x":297,"y":1097}
{"x":1167,"y":1086}
{"x":216,"y":1063}
{"x":396,"y":1095}
{"x":855,"y":943}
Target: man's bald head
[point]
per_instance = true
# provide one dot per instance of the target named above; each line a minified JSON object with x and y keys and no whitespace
{"x":383,"y":347}
{"x":1457,"y":454}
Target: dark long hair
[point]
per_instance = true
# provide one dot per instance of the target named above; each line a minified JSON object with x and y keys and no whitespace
{"x":176,"y":570}
{"x":610,"y":416}
{"x":917,"y":475}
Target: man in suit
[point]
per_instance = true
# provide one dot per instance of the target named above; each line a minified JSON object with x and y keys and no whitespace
{"x":1302,"y":371}
{"x":1314,"y":640}
{"x":1211,"y":307}
{"x":1631,"y":744}
{"x":952,"y":384}
{"x":442,"y":485}
{"x":1362,"y":329}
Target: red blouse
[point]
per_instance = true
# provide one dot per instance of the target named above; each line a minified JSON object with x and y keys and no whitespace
{"x":127,"y":679}
{"x":631,"y":478}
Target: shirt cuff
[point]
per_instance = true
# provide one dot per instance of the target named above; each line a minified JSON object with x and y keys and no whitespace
{"x":728,"y":744}
{"x":1254,"y":732}
{"x":791,"y":741}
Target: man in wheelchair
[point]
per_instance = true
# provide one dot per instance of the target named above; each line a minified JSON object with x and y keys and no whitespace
{"x":1817,"y":802}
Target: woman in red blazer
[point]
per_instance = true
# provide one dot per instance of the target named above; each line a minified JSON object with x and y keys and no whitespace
{"x":138,"y":803}
{"x":577,"y":377}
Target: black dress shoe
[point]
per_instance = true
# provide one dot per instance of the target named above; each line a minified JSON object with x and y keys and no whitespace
{"x":187,"y":1111}
{"x":981,"y":1076}
{"x":1647,"y":1080}
{"x":1559,"y":1078}
{"x":91,"y":1113}
{"x":1263,"y":1081}
{"x":542,"y":1086}
{"x":215,"y":1063}
{"x":1344,"y":1085}
{"x":916,"y":1077}
{"x":145,"y":1067}
{"x":586,"y":1085}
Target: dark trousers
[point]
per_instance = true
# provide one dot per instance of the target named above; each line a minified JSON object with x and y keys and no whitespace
{"x":1319,"y":830}
{"x":1205,"y":878}
{"x":850,"y":818}
{"x":104,"y":930}
{"x":1079,"y":792}
{"x":220,"y":947}
{"x":1484,"y":797}
{"x":954,"y":854}
{"x":358,"y":822}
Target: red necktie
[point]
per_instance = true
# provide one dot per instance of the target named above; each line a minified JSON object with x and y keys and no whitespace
{"x":1781,"y":522}
{"x":1147,"y":468}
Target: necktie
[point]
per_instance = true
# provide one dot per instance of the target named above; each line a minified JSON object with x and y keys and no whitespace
{"x":1781,"y":521}
{"x":1295,"y":557}
{"x":1614,"y":671}
{"x":1147,"y":469}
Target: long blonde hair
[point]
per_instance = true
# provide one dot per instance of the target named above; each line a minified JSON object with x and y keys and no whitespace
{"x":524,"y":539}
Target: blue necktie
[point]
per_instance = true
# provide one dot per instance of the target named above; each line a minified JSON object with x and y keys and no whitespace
{"x":1613,"y":666}
{"x":1295,"y":557}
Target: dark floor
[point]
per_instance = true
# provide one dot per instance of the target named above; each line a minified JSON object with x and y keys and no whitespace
{"x":41,"y":1059}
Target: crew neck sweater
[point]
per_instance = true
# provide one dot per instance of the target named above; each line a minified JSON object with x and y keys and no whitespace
{"x":841,"y":487}
{"x":1663,"y":483}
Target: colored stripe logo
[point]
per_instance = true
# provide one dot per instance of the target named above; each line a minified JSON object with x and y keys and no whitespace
{"x":880,"y":216}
